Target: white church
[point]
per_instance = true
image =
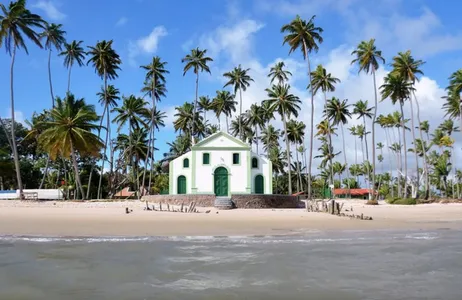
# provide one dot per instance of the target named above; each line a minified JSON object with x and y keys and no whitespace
{"x":221,"y":165}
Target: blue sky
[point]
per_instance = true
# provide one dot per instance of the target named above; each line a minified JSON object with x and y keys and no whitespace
{"x":246,"y":32}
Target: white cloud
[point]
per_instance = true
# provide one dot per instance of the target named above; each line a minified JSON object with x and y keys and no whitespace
{"x":50,"y":10}
{"x":18,"y":116}
{"x":121,"y":22}
{"x":147,"y":44}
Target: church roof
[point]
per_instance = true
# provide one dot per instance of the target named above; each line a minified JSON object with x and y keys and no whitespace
{"x":209,"y":141}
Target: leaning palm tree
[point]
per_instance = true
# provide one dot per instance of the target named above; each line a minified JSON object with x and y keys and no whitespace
{"x":54,"y":37}
{"x":277,"y":72}
{"x":321,"y":80}
{"x":286,"y":104}
{"x":155,"y":74}
{"x":106,"y":62}
{"x":368,"y":58}
{"x":398,"y":89}
{"x":70,"y":132}
{"x":15,"y":22}
{"x":304,"y":36}
{"x":197,"y":62}
{"x":223,"y":103}
{"x":407,"y":67}
{"x":240,"y":80}
{"x":74,"y":53}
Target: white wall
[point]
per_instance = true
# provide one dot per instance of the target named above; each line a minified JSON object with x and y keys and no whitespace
{"x":177,"y":169}
{"x":264,"y":169}
{"x":237,"y":173}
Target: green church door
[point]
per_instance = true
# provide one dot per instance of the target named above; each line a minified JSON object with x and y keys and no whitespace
{"x":221,"y":182}
{"x":259,"y":189}
{"x":181,"y":185}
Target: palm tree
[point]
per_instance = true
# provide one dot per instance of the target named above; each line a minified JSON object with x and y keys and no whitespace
{"x":286,"y":105}
{"x":157,"y":121}
{"x":368,"y":58}
{"x":204,"y":105}
{"x":454,"y":89}
{"x":16,"y":21}
{"x":70,"y":131}
{"x":360,"y":108}
{"x":270,"y":137}
{"x":74,"y":53}
{"x":448,"y":127}
{"x":133,"y":112}
{"x":108,"y":99}
{"x":352,"y":130}
{"x":295,"y":134}
{"x":321,"y":80}
{"x":278,"y":73}
{"x":240,"y":80}
{"x":407,"y":67}
{"x":398,"y":89}
{"x":54,"y":37}
{"x":338,"y":113}
{"x":223,"y":103}
{"x":106,"y":62}
{"x":155,"y":75}
{"x":278,"y":162}
{"x":305,"y":36}
{"x":196,"y":61}
{"x":254,"y":117}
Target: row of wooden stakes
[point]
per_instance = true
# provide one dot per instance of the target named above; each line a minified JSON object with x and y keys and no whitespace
{"x":332,"y":207}
{"x":183,"y":208}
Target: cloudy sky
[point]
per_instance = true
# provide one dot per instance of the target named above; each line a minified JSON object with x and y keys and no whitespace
{"x":247,"y":33}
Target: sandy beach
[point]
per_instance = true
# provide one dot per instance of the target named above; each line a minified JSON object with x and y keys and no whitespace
{"x":109,"y":219}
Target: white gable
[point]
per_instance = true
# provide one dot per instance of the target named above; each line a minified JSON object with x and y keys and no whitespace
{"x":221,"y":139}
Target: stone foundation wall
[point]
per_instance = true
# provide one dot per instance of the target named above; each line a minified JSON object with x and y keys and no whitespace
{"x":240,"y":201}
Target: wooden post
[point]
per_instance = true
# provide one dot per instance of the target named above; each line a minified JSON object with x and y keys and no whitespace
{"x":160,"y":206}
{"x":168,"y":207}
{"x":181,"y":207}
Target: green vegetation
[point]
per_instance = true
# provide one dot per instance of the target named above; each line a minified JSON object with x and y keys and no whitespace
{"x":69,"y":146}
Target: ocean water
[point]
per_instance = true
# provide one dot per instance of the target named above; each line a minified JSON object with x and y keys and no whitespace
{"x":316,"y":265}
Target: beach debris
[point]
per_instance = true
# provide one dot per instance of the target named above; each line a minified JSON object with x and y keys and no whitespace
{"x":208,"y":211}
{"x":168,"y":207}
{"x":127,"y":210}
{"x":332,"y":207}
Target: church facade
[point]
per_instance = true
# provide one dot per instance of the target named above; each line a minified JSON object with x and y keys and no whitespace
{"x":221,"y":165}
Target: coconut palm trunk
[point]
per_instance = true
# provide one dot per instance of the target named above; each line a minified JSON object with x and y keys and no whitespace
{"x":76,"y":169}
{"x":287,"y":151}
{"x":373,"y":133}
{"x":94,"y":164}
{"x":13,"y":133}
{"x":311,"y":122}
{"x":415,"y":145}
{"x":107,"y":137}
{"x":298,"y":170}
{"x":390,"y":158}
{"x":405,"y":149}
{"x":345,"y":157}
{"x":194,"y":110}
{"x":241,"y":136}
{"x":329,"y":139}
{"x":365,"y":138}
{"x":69,"y":79}
{"x":151,"y":136}
{"x":256,"y":137}
{"x":45,"y":173}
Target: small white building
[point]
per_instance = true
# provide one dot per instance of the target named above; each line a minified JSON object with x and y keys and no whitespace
{"x":221,"y":165}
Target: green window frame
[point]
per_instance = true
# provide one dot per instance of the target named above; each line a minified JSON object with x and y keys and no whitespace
{"x":236,"y":158}
{"x":186,"y":163}
{"x":254,"y":163}
{"x":206,"y":158}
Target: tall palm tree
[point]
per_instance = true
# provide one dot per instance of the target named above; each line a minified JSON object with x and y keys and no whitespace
{"x":448,"y":127}
{"x":223,"y":103}
{"x":338,"y":112}
{"x":352,"y":130}
{"x":133,"y":112}
{"x":454,"y":89}
{"x":155,"y":74}
{"x":407,"y":67}
{"x":305,"y":36}
{"x":54,"y":37}
{"x":106,"y":62}
{"x":108,"y":99}
{"x":254,"y":117}
{"x":286,"y":104}
{"x":73,"y":53}
{"x":70,"y":131}
{"x":368,"y":58}
{"x":321,"y":80}
{"x":361,"y":109}
{"x":157,"y":119}
{"x":197,"y":62}
{"x":15,"y":22}
{"x":278,"y":73}
{"x":398,"y":89}
{"x":270,"y":137}
{"x":204,"y":105}
{"x":295,"y":134}
{"x":240,"y":80}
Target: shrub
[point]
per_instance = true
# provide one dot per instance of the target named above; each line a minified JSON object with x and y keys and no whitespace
{"x":372,"y":202}
{"x":402,"y":201}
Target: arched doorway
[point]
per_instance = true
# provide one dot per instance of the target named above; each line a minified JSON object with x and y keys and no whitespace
{"x":220,"y":179}
{"x":181,"y":185}
{"x":259,"y":186}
